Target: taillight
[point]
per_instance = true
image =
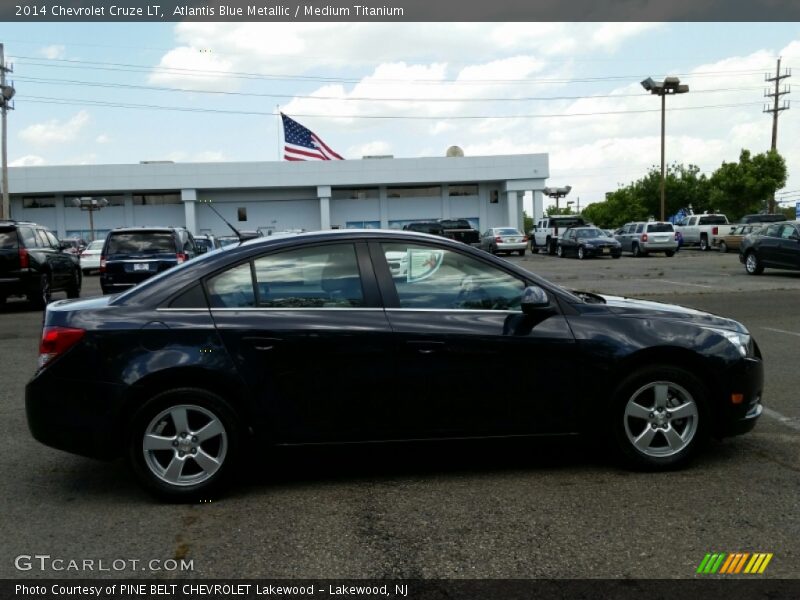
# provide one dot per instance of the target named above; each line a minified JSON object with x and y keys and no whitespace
{"x":24,"y":259}
{"x":182,"y":257}
{"x":102,"y":264}
{"x":56,"y":341}
{"x":715,"y":231}
{"x":644,"y":237}
{"x":498,"y":239}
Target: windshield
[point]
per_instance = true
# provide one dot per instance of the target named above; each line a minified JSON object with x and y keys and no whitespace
{"x":204,"y":243}
{"x":564,"y":223}
{"x":141,"y":242}
{"x":96,"y":245}
{"x":455,"y":224}
{"x":659,"y":227}
{"x":590,"y":233}
{"x":507,"y":231}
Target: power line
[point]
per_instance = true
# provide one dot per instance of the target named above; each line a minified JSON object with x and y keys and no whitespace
{"x":83,"y":102}
{"x":102,"y":84}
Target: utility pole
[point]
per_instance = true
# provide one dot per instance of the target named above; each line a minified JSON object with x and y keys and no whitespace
{"x":776,"y":109}
{"x":6,"y":94}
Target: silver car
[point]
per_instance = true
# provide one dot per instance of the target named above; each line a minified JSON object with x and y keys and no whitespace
{"x":643,"y":237}
{"x":504,"y":239}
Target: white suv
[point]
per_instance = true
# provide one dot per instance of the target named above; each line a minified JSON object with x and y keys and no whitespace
{"x":641,"y":238}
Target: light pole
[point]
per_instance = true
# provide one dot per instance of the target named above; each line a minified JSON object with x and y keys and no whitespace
{"x":668,"y":87}
{"x":6,"y":94}
{"x":557,"y":192}
{"x":90,"y":204}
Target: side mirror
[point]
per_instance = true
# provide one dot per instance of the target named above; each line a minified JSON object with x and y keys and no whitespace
{"x":534,"y":298}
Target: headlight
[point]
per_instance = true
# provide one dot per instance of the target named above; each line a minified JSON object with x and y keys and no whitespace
{"x":740,"y":340}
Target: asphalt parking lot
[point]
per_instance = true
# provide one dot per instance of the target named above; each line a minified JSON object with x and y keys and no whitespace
{"x":459,"y":510}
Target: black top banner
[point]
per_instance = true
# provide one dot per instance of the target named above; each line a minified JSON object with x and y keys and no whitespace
{"x":400,"y":10}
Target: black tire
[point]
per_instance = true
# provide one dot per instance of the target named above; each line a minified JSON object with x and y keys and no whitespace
{"x":684,"y":391}
{"x":723,"y":247}
{"x":637,"y":251}
{"x":86,"y":271}
{"x":534,"y":247}
{"x":521,"y":252}
{"x":155,"y":416}
{"x":551,"y":246}
{"x":41,"y":295}
{"x":560,"y":251}
{"x":669,"y":253}
{"x":74,"y":288}
{"x":617,"y":255}
{"x":704,"y":242}
{"x":753,"y":264}
{"x":2,"y":300}
{"x":581,"y":253}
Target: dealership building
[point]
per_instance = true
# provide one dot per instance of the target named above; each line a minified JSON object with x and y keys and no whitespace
{"x":374,"y":192}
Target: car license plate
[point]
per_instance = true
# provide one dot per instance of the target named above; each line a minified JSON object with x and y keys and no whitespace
{"x":141,"y":267}
{"x":606,"y":250}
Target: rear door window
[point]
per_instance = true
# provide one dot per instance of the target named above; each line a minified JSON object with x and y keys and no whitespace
{"x":29,"y":237}
{"x":640,"y":228}
{"x":141,"y":242}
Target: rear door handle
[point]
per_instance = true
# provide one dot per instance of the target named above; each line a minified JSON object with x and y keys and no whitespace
{"x":262,"y":344}
{"x":426,"y":347}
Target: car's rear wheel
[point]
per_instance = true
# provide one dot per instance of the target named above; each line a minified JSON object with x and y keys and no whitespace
{"x":183,"y":444}
{"x":669,"y":253}
{"x":74,"y":289}
{"x":521,"y":252}
{"x":723,"y":247}
{"x":752,"y":264}
{"x":40,"y":296}
{"x":660,"y":417}
{"x":636,"y":251}
{"x":552,"y":246}
{"x":704,"y":242}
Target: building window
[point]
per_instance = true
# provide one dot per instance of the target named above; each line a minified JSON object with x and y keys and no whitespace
{"x":354,"y":194}
{"x":494,"y":197}
{"x":463,"y":190}
{"x":433,"y":191}
{"x":242,"y":213}
{"x":39,"y":202}
{"x":113,"y":200}
{"x":156,"y":199}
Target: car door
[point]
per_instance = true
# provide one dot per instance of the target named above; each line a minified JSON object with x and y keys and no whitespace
{"x":569,"y":242}
{"x":789,"y":246}
{"x":62,"y":264}
{"x":466,"y":356}
{"x":769,"y":244}
{"x":311,"y":340}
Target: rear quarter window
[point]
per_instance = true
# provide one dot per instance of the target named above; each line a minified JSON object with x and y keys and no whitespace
{"x":8,"y":239}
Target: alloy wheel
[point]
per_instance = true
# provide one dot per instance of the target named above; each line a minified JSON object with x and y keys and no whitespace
{"x":581,"y":253}
{"x":185,"y":445}
{"x":661,"y":419}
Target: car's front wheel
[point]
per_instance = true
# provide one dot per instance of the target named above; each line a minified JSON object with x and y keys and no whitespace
{"x":752,"y":264}
{"x":40,"y":296}
{"x":581,"y":253}
{"x":723,"y":247}
{"x":74,"y":288}
{"x":660,"y":417}
{"x":183,"y":444}
{"x":560,"y":251}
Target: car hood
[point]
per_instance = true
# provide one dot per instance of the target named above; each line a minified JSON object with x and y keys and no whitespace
{"x":630,"y":307}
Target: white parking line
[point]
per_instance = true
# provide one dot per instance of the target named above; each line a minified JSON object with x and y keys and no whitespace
{"x":789,"y":422}
{"x":711,"y":287}
{"x":781,"y":331}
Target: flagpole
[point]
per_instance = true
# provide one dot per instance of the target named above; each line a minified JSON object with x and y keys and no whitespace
{"x":278,"y":114}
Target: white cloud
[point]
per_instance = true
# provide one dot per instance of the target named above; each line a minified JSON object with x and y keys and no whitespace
{"x":29,"y":160}
{"x":202,"y":156}
{"x":376,"y":148}
{"x":53,"y":52}
{"x":102,"y":139}
{"x":55,"y":131}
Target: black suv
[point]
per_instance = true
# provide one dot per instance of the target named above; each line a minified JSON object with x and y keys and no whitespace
{"x":133,"y":254}
{"x":33,"y":264}
{"x":432,"y":227}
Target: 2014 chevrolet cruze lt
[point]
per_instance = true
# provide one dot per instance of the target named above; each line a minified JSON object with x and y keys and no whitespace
{"x":316,"y":338}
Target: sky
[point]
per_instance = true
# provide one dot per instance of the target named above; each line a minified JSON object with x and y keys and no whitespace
{"x":198,"y":92}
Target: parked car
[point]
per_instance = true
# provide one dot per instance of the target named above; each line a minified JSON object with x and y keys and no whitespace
{"x":34,"y":264}
{"x":432,"y":227}
{"x":206,"y":243}
{"x":544,"y":235}
{"x":761,"y":218}
{"x":701,"y":230}
{"x":73,"y":245}
{"x":227,"y":355}
{"x":776,"y":246}
{"x":229,"y":240}
{"x":90,"y":257}
{"x":460,"y":230}
{"x":504,"y":239}
{"x":133,"y":254}
{"x":641,"y":238}
{"x":733,"y":240}
{"x":585,"y":242}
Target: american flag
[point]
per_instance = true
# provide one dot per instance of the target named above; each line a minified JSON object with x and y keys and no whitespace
{"x":304,"y":144}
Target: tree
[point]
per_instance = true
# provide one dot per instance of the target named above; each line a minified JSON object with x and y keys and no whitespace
{"x":749,"y":185}
{"x":562,"y":210}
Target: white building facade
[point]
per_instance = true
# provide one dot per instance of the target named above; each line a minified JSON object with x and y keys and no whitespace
{"x":274,"y":196}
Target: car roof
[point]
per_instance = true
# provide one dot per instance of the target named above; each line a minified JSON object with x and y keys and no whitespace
{"x":144,"y":228}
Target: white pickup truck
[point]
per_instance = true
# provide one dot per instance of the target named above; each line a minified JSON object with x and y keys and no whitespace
{"x":702,"y":230}
{"x":544,"y":235}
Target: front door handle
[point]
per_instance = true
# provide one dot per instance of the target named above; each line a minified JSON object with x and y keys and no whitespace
{"x":426,"y":347}
{"x":262,"y":344}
